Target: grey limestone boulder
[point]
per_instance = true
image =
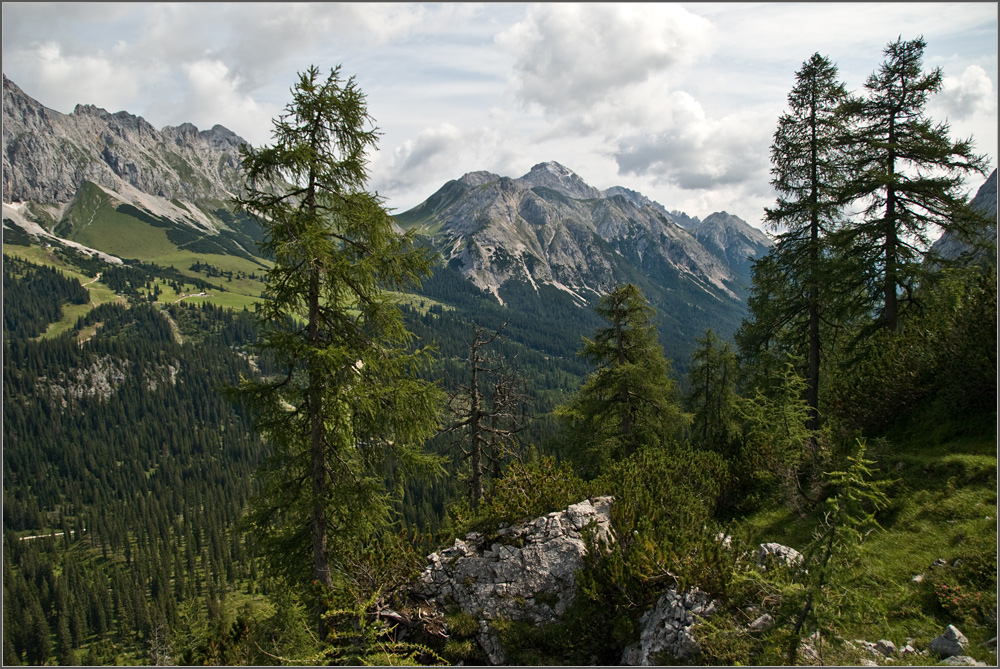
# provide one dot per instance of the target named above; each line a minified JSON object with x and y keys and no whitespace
{"x":782,"y":554}
{"x":951,"y":642}
{"x":963,"y":661}
{"x":886,"y":647}
{"x":526,"y":574}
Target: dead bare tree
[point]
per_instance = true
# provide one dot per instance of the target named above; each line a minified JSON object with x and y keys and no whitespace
{"x":488,"y":412}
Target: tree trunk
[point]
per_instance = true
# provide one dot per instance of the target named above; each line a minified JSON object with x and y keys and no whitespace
{"x":812,"y":399}
{"x":475,"y":416}
{"x":890,"y":312}
{"x":317,"y":434}
{"x":623,"y":392}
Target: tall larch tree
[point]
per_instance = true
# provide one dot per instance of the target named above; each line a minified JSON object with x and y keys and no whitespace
{"x":348,"y":401}
{"x":808,"y":166}
{"x":908,"y":176}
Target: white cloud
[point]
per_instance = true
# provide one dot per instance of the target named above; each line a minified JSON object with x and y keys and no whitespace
{"x":212,"y":95}
{"x":678,"y":101}
{"x":963,"y":96}
{"x":61,"y":81}
{"x":698,"y":153}
{"x":571,"y":56}
{"x":431,"y":152}
{"x":615,"y":75}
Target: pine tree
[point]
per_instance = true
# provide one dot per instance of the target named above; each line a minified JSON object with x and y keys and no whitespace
{"x":349,"y":398}
{"x":630,"y":400}
{"x":907,"y":173}
{"x":38,"y":644}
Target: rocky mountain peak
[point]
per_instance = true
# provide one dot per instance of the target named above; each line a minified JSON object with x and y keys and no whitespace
{"x":640,"y":200}
{"x":732,"y":240}
{"x":560,"y":179}
{"x":473,"y":179}
{"x":551,"y":228}
{"x":91,"y":110}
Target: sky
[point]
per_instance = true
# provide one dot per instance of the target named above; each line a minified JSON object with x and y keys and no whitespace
{"x":678,"y":101}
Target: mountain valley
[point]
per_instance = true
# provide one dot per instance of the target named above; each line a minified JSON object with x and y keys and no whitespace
{"x":131,"y":282}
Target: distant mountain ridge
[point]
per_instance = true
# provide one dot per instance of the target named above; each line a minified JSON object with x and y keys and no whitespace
{"x":48,"y":155}
{"x":110,"y":184}
{"x":550,"y":227}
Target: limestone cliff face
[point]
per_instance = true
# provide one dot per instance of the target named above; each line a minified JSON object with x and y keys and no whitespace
{"x":952,"y":246}
{"x":48,"y":155}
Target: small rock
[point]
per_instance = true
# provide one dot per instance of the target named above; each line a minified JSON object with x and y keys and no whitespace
{"x":963,"y":661}
{"x":992,"y":642}
{"x":957,"y":562}
{"x":938,"y":563}
{"x":783,"y":554}
{"x":885,"y":647}
{"x":951,"y":642}
{"x":865,"y":662}
{"x":919,"y":578}
{"x":765,"y":622}
{"x":808,"y":653}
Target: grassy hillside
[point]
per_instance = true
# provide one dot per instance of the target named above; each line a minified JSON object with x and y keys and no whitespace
{"x":942,"y":507}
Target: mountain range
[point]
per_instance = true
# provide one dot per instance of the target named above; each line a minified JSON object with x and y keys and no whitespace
{"x":113,"y":186}
{"x":64,"y":172}
{"x":550,"y":227}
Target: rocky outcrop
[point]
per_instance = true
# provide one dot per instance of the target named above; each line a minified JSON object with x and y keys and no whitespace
{"x":99,"y":380}
{"x":47,"y":155}
{"x":666,"y":629}
{"x":525,"y":574}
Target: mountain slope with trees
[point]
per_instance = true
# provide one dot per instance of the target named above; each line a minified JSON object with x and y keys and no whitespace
{"x":131,"y":534}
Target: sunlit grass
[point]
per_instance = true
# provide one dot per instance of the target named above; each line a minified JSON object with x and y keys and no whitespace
{"x":419,"y":303}
{"x":943,"y":506}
